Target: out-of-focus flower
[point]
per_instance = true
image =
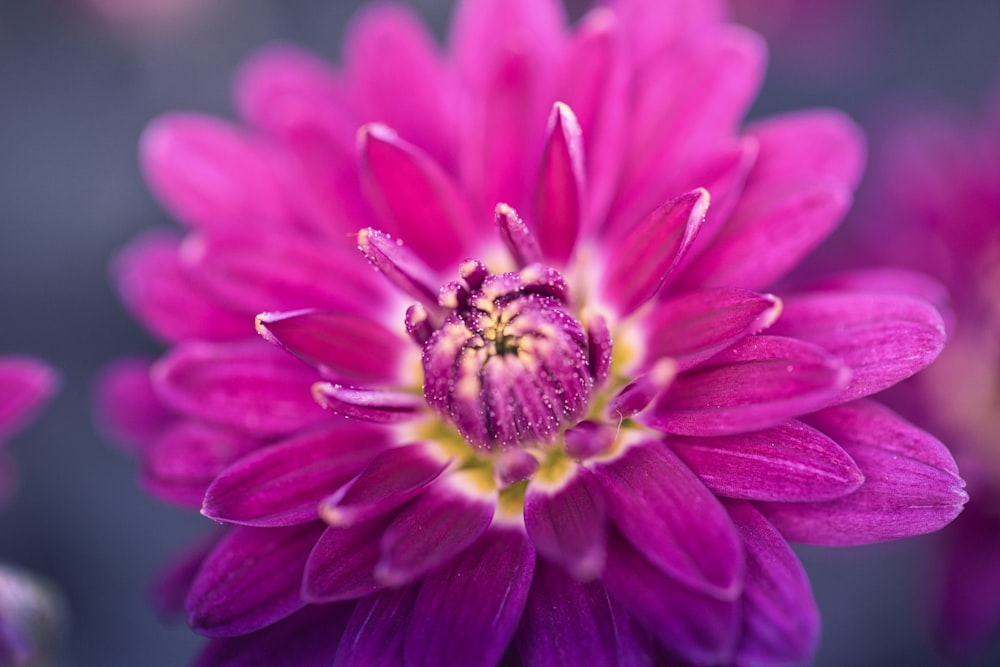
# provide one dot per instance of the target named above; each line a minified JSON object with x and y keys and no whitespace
{"x":150,"y":16}
{"x":939,"y":176}
{"x":25,"y":385}
{"x":564,"y":424}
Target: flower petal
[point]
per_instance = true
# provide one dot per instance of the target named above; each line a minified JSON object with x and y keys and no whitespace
{"x":25,"y":384}
{"x":341,"y":565}
{"x":780,"y":618}
{"x":672,"y":519}
{"x":343,"y":344}
{"x":884,"y":338}
{"x":282,"y":484}
{"x":400,"y":266}
{"x":247,"y":385}
{"x":560,"y":186}
{"x":250,"y":580}
{"x":566,"y":523}
{"x":126,"y":405}
{"x":760,"y":382}
{"x":911,"y":483}
{"x":694,"y":326}
{"x":372,"y":405}
{"x":789,"y":463}
{"x":374,"y":634}
{"x":466,"y":612}
{"x":639,"y":260}
{"x":654,"y":25}
{"x":570,"y":623}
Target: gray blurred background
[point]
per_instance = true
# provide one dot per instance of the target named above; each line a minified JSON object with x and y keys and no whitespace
{"x":76,"y":90}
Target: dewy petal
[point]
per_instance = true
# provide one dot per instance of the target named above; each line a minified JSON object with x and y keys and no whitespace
{"x":282,"y":484}
{"x":251,"y":580}
{"x":341,"y":565}
{"x":636,"y":396}
{"x":520,"y":242}
{"x":466,"y":612}
{"x":344,"y":344}
{"x":638,"y":261}
{"x":439,"y":524}
{"x":694,"y":326}
{"x":307,"y":638}
{"x":790,"y":463}
{"x":400,"y":266}
{"x":911,"y":483}
{"x":374,"y":634}
{"x":780,"y":619}
{"x":759,"y":382}
{"x":249,"y":386}
{"x":25,"y":384}
{"x":558,"y":199}
{"x":884,"y":338}
{"x":672,"y":519}
{"x":126,"y":405}
{"x":567,"y":622}
{"x":389,"y":480}
{"x":379,"y":406}
{"x":210,"y":174}
{"x":160,"y":292}
{"x":566,"y":522}
{"x":699,"y":628}
{"x":416,"y":199}
{"x":769,"y":233}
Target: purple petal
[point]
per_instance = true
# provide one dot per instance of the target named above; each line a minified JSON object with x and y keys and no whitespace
{"x":599,"y":348}
{"x":520,"y":242}
{"x":560,"y":186}
{"x":416,"y":199}
{"x":282,"y":484}
{"x":126,"y":406}
{"x":566,"y":522}
{"x":307,"y":638}
{"x":251,"y":580}
{"x":911,"y":483}
{"x":374,"y":634}
{"x":433,"y":528}
{"x":390,"y":479}
{"x":171,"y":584}
{"x":636,"y":396}
{"x":759,"y":382}
{"x":789,"y":463}
{"x":160,"y":292}
{"x":570,"y":623}
{"x":466,"y":612}
{"x":699,"y":628}
{"x":884,"y":338}
{"x":694,"y":326}
{"x":674,"y":521}
{"x":341,"y":343}
{"x":248,"y":386}
{"x":341,"y":566}
{"x":25,"y":384}
{"x":400,"y":266}
{"x":184,"y":459}
{"x":372,"y":405}
{"x":780,"y":618}
{"x":641,"y":259}
{"x":210,"y":174}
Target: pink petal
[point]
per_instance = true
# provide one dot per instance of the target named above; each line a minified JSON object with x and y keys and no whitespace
{"x":694,"y":326}
{"x":911,"y":483}
{"x":251,"y":580}
{"x":342,"y":564}
{"x":560,"y":186}
{"x":389,"y":56}
{"x":884,"y":338}
{"x":521,"y":243}
{"x":780,"y":619}
{"x":341,"y":344}
{"x":791,"y":463}
{"x":566,"y":523}
{"x":210,"y":174}
{"x":654,"y":25}
{"x":182,"y":461}
{"x":433,"y":528}
{"x":248,"y":386}
{"x":672,"y":519}
{"x":374,"y":634}
{"x":416,"y":199}
{"x":162,"y":294}
{"x":769,"y":233}
{"x":282,"y":484}
{"x":757,"y":383}
{"x":640,"y":259}
{"x":126,"y":405}
{"x":25,"y":384}
{"x":372,"y":405}
{"x":699,"y":628}
{"x":466,"y":612}
{"x":399,"y":265}
{"x":570,"y":623}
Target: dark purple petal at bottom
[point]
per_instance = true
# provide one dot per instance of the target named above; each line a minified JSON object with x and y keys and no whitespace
{"x":374,"y":634}
{"x":341,"y":566}
{"x":467,"y":612}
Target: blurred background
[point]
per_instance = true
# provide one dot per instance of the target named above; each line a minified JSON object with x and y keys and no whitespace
{"x":78,"y":81}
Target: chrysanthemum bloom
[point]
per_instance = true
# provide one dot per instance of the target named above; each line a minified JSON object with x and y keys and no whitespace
{"x":564,"y":423}
{"x":941,"y":172}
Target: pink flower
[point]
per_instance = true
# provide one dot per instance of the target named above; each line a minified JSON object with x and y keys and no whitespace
{"x":25,"y":384}
{"x":941,"y":172}
{"x":564,"y":421}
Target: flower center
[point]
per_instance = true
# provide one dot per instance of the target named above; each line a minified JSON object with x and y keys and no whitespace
{"x":509,"y":363}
